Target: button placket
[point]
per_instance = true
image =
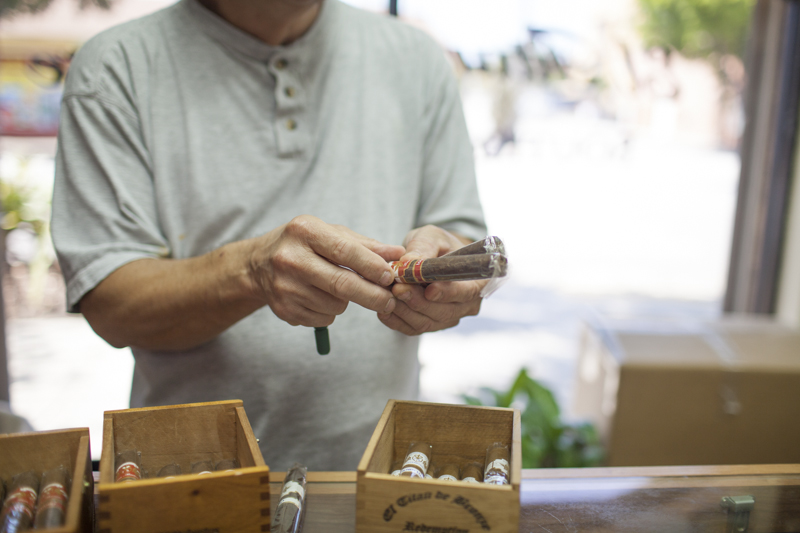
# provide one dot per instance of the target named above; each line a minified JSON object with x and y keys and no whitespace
{"x":292,"y":136}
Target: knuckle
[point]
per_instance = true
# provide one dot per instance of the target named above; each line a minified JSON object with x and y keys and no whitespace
{"x":341,"y":250}
{"x":300,"y":225}
{"x":340,"y":283}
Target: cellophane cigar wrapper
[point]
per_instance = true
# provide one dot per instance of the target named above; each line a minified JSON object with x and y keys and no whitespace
{"x":489,"y":245}
{"x":497,"y":464}
{"x":127,"y":466}
{"x":291,"y":509}
{"x":52,"y":506}
{"x":19,"y":505}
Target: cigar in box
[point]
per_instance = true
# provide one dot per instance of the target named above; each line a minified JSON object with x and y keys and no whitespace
{"x":417,"y":460}
{"x":489,"y":245}
{"x":52,"y":505}
{"x":170,"y":470}
{"x":127,"y":467}
{"x":497,"y":458}
{"x":472,"y":472}
{"x":202,"y":467}
{"x":448,"y":472}
{"x":2,"y":493}
{"x":227,"y":464}
{"x":450,"y":268}
{"x":19,"y":505}
{"x":291,"y":507}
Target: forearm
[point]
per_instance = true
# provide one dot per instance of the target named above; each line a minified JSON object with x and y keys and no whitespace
{"x":174,"y":304}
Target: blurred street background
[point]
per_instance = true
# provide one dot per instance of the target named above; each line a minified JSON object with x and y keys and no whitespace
{"x":606,"y":159}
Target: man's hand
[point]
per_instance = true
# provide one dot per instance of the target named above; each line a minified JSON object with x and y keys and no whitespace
{"x":441,"y":304}
{"x":176,"y":304}
{"x":296,"y":269}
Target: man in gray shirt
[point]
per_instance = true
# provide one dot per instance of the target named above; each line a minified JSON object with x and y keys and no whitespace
{"x":217,"y":162}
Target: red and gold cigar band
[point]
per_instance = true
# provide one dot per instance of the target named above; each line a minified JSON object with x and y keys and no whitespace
{"x":53,"y":495}
{"x":128,"y":472}
{"x":408,"y":271}
{"x":22,"y":500}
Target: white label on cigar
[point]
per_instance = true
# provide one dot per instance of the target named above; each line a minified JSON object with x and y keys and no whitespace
{"x":498,"y":464}
{"x":396,"y":472}
{"x":448,"y":477}
{"x":204,"y":472}
{"x":496,"y":479}
{"x":417,"y":458}
{"x":413,"y":470}
{"x":290,"y":500}
{"x":470,"y":480}
{"x":293,"y":486}
{"x":428,"y":476}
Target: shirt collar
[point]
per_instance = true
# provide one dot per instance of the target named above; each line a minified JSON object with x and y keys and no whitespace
{"x":242,"y":42}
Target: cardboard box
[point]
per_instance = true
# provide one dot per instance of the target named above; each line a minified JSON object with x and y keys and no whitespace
{"x":701,"y":394}
{"x":45,"y":450}
{"x":386,"y":503}
{"x":222,"y":502}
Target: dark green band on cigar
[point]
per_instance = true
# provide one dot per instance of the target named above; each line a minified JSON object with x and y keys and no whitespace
{"x":323,"y":341}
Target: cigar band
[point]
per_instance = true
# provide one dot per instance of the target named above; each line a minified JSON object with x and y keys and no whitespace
{"x":204,"y":472}
{"x":128,"y":472}
{"x":496,"y":479}
{"x":53,"y":496}
{"x":293,"y":486}
{"x":497,"y":464}
{"x":470,"y":480}
{"x":396,"y":472}
{"x":413,"y":470}
{"x":22,"y":500}
{"x":417,"y":458}
{"x":291,"y":501}
{"x":53,"y":490}
{"x":408,"y":271}
{"x":447,"y":477}
{"x":428,"y":476}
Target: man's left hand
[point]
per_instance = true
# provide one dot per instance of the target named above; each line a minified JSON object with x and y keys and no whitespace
{"x":441,"y":304}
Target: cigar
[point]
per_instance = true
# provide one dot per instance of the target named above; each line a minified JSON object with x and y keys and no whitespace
{"x":448,"y":472}
{"x":472,"y":472}
{"x":450,"y":268}
{"x":397,"y":466}
{"x":291,"y":507}
{"x":417,"y":460}
{"x":18,"y":509}
{"x":497,"y":457}
{"x":202,"y":467}
{"x":128,"y":466}
{"x":489,"y":245}
{"x":52,"y":504}
{"x":170,"y":470}
{"x":227,"y":464}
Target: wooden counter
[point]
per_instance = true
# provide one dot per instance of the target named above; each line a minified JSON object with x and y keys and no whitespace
{"x":673,"y":499}
{"x":637,"y":499}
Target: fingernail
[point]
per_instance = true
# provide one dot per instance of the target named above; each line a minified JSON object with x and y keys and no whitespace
{"x":405,"y":296}
{"x":386,"y":278}
{"x":436,"y":296}
{"x":390,"y":306}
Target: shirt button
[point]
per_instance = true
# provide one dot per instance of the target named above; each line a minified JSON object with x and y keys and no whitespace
{"x":281,"y":64}
{"x":289,"y":91}
{"x":291,"y":124}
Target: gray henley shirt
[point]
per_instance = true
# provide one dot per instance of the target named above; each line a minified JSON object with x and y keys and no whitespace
{"x":180,"y":133}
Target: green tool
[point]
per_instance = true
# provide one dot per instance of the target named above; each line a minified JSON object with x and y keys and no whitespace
{"x":323,"y":340}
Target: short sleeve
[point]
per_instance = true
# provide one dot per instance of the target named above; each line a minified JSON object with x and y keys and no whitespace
{"x":104,"y":206}
{"x":449,"y":194}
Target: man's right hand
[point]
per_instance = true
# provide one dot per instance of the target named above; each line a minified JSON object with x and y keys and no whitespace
{"x":295,"y":267}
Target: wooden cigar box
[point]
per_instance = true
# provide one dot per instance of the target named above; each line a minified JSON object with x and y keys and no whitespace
{"x":42,"y":451}
{"x":458,"y":434}
{"x":220,"y":502}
